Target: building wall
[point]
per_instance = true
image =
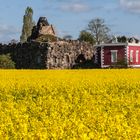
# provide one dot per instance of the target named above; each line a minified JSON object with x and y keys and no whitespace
{"x":66,"y":55}
{"x":134,"y":48}
{"x":107,"y":54}
{"x":56,"y":55}
{"x":98,"y":56}
{"x":46,"y":30}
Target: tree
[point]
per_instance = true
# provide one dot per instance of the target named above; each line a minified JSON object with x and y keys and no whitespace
{"x":87,"y":37}
{"x":13,"y":41}
{"x":27,"y":25}
{"x":122,"y":39}
{"x":99,"y":30}
{"x":6,"y":62}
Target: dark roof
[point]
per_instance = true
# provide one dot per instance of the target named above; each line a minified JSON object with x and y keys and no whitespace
{"x":43,"y":20}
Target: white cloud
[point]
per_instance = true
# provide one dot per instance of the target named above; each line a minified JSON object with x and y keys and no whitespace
{"x":8,"y":32}
{"x":75,"y":7}
{"x":131,"y":5}
{"x":5,"y":29}
{"x":64,"y":33}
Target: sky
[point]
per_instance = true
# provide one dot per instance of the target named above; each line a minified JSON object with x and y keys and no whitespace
{"x":69,"y":17}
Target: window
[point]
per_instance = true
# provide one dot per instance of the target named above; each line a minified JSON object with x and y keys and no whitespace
{"x":137,"y":56}
{"x":114,"y":56}
{"x":131,"y":56}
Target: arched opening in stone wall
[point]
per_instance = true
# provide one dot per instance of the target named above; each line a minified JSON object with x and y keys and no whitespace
{"x":83,"y":62}
{"x":67,"y":59}
{"x":54,"y":59}
{"x":80,"y":59}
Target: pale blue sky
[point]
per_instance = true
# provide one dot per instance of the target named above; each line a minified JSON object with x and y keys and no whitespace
{"x":71,"y":16}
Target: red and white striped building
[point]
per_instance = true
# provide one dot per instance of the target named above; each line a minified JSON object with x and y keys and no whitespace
{"x":113,"y":53}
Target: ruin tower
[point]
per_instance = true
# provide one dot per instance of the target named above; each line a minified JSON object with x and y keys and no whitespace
{"x":43,"y":29}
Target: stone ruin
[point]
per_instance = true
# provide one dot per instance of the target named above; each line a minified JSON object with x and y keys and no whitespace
{"x":58,"y":54}
{"x":42,"y":28}
{"x":66,"y":55}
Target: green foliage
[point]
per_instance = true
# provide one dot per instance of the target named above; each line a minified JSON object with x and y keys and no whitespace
{"x":27,"y":25}
{"x":88,"y":64}
{"x":120,"y":64}
{"x":6,"y":62}
{"x":122,"y":39}
{"x":87,"y":37}
{"x":99,"y":30}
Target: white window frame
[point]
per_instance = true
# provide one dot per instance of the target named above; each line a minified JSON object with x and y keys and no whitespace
{"x":112,"y":59}
{"x":131,"y":55}
{"x":137,"y":56}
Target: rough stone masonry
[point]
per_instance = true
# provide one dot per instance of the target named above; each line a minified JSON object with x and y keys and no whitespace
{"x":51,"y":53}
{"x":64,"y":55}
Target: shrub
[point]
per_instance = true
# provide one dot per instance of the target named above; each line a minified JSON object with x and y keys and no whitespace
{"x":6,"y":62}
{"x":119,"y":64}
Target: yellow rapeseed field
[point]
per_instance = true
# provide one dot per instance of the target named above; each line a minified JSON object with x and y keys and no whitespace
{"x":70,"y":104}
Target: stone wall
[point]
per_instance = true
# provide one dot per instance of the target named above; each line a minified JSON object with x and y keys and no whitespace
{"x":42,"y":28}
{"x":27,"y":55}
{"x":56,"y":55}
{"x":65,"y":55}
{"x":31,"y":55}
{"x":47,"y":51}
{"x":45,"y":30}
